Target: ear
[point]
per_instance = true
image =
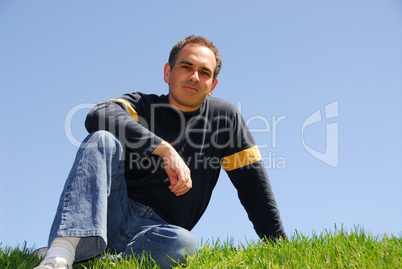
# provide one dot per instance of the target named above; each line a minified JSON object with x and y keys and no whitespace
{"x":213,"y":86}
{"x":166,"y":73}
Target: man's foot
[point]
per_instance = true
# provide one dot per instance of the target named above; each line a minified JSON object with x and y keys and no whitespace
{"x":60,"y":255}
{"x":54,"y":263}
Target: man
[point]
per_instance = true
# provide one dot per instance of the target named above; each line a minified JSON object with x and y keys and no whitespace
{"x":144,"y":176}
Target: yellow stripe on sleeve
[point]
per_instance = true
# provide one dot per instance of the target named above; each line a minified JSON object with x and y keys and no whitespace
{"x":130,"y":109}
{"x":241,"y":159}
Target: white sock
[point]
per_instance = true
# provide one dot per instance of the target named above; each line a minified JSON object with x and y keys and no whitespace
{"x":63,"y":247}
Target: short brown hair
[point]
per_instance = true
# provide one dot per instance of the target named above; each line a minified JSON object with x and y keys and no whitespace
{"x":174,"y":53}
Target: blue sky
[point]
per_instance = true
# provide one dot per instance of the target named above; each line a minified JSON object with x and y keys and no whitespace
{"x":319,"y":83}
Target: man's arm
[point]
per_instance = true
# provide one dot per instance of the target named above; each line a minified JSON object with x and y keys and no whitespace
{"x":176,"y":169}
{"x":116,"y":118}
{"x":243,"y":164}
{"x":256,"y":195}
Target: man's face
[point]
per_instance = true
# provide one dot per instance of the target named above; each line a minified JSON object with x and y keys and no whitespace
{"x":190,"y":80}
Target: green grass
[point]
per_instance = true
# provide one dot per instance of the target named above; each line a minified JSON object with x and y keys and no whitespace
{"x":17,"y":258}
{"x":341,"y":249}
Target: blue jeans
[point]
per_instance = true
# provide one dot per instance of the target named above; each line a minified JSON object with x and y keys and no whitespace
{"x":94,"y":206}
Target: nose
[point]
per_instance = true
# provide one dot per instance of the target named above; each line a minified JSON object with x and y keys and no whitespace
{"x":194,"y":77}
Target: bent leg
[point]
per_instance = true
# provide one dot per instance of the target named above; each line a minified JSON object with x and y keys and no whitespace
{"x":95,"y":182}
{"x":163,"y":243}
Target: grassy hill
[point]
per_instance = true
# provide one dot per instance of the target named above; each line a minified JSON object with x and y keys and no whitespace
{"x":341,"y":249}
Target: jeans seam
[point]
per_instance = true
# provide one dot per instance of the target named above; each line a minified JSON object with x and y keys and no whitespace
{"x":146,"y":213}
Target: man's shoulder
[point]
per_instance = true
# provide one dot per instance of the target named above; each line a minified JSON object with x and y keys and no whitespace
{"x":221,"y":105}
{"x":145,"y":98}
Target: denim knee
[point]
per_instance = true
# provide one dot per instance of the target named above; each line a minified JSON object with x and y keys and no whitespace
{"x":101,"y":139}
{"x":183,"y":242}
{"x":164,"y":243}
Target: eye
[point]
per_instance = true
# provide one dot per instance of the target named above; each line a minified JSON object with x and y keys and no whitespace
{"x":205,"y":73}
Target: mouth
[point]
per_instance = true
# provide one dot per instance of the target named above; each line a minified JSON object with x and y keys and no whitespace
{"x":190,"y":88}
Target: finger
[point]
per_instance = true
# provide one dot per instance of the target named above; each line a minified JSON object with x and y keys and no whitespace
{"x":177,"y":187}
{"x":172,"y":176}
{"x":181,"y":192}
{"x":183,"y":183}
{"x":182,"y":189}
{"x":181,"y":177}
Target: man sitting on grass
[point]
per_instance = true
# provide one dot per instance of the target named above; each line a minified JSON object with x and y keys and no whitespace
{"x":144,"y":176}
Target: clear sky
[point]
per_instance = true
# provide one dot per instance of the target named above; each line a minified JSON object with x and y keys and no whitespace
{"x":319,"y":83}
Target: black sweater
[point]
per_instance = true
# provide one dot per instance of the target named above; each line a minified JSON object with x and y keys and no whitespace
{"x":207,"y":139}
